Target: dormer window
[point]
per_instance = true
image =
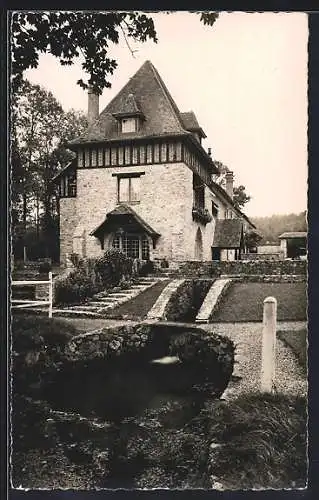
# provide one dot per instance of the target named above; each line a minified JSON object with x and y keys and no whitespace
{"x":129,"y":115}
{"x":129,"y":125}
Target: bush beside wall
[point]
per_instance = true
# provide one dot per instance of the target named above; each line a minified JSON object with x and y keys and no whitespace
{"x":187,"y":299}
{"x":90,"y":276}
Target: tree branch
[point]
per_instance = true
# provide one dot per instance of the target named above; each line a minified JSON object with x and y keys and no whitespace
{"x":126,"y":41}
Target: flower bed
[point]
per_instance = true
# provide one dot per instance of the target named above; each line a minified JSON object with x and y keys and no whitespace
{"x":187,"y":299}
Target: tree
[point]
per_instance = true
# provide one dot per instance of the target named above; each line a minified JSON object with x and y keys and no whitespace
{"x":252,"y":238}
{"x":240,"y":197}
{"x":40,"y":130}
{"x":274,"y":225}
{"x":69,"y":35}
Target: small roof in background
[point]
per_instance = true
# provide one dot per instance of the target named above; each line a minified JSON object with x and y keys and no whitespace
{"x":190,"y":123}
{"x":293,"y":234}
{"x":228,"y":233}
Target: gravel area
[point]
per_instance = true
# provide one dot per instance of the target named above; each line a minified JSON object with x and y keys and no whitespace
{"x":289,"y":378}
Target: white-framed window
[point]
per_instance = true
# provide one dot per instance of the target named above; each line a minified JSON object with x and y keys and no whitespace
{"x":129,"y":189}
{"x":135,"y":246}
{"x":128,"y":125}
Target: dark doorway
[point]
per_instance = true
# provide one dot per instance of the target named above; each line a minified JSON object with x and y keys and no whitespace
{"x":215,"y":253}
{"x":296,"y":247}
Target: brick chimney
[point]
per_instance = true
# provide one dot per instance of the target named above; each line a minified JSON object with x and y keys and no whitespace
{"x":230,"y":184}
{"x":93,"y":105}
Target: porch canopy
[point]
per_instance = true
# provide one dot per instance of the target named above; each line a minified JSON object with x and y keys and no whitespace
{"x":228,"y":234}
{"x":125,"y":218}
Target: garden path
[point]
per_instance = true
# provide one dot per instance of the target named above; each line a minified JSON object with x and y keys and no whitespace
{"x":289,"y":377}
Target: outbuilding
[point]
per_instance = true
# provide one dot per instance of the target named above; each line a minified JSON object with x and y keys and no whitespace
{"x":293,"y":244}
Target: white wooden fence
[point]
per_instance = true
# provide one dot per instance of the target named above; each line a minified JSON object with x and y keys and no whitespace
{"x":25,"y":303}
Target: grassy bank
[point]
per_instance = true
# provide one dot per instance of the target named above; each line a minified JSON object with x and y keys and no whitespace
{"x":244,"y":302}
{"x":263,"y":440}
{"x":297,"y":341}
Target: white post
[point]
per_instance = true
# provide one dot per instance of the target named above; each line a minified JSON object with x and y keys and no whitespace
{"x":268,"y":344}
{"x":50,"y":294}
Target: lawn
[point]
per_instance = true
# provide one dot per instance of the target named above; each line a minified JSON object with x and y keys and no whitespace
{"x":138,"y":307}
{"x":244,"y":302}
{"x":297,"y":341}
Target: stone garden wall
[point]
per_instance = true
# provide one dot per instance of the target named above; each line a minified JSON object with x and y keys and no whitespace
{"x":215,"y":269}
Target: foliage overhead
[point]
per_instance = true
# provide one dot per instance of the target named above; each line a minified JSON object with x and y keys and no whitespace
{"x":89,"y":35}
{"x":40,"y":130}
{"x":240,"y":197}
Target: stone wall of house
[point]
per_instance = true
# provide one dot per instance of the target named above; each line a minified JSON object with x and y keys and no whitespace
{"x":68,"y":222}
{"x":166,"y":201}
{"x":241,"y":268}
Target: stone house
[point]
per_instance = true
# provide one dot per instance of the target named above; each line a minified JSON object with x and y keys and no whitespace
{"x":143,"y":183}
{"x":293,"y":244}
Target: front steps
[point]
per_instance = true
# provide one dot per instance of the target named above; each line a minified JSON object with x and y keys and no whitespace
{"x":104,"y":302}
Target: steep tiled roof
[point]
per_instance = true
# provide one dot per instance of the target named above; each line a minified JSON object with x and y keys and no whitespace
{"x":293,"y":234}
{"x":128,"y":212}
{"x":151,"y":97}
{"x":190,"y":122}
{"x":128,"y":106}
{"x":228,"y":233}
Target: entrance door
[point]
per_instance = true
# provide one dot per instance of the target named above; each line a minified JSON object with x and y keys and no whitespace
{"x":199,"y":245}
{"x":215,"y":253}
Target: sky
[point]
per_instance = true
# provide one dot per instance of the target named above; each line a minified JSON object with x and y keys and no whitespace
{"x":246,"y":80}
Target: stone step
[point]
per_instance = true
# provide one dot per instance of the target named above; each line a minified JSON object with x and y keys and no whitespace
{"x":212,"y":299}
{"x":83,"y":307}
{"x":117,"y":295}
{"x":66,"y":313}
{"x":103,"y":304}
{"x":107,"y":298}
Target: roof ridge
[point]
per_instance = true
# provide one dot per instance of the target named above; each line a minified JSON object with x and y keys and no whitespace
{"x":167,"y":94}
{"x":123,"y":88}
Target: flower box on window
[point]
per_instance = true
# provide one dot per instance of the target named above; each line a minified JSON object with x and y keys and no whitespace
{"x":201,"y":215}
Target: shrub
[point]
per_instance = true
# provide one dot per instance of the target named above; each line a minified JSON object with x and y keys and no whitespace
{"x":74,"y":288}
{"x":146,"y":268}
{"x":93,"y":275}
{"x":113,"y":266}
{"x":37,"y":347}
{"x":45,"y":267}
{"x":185,"y":302}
